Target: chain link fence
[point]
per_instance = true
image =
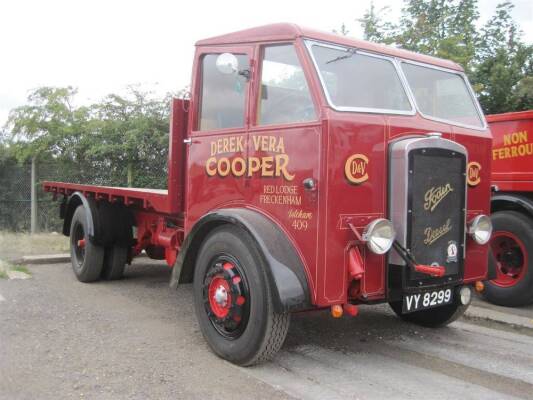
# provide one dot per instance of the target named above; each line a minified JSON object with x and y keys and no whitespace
{"x":16,"y":184}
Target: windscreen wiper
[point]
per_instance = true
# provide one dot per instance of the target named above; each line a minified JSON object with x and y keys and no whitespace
{"x":350,"y":52}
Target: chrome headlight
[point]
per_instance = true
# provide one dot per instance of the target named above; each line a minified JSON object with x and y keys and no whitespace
{"x":480,"y":229}
{"x":379,"y":235}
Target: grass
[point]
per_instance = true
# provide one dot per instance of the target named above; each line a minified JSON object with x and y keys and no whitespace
{"x":5,"y":267}
{"x":21,"y":268}
{"x":13,"y":246}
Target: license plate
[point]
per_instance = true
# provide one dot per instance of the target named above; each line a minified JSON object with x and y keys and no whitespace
{"x":425,"y":300}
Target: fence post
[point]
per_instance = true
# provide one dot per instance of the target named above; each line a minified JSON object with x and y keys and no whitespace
{"x":33,"y":195}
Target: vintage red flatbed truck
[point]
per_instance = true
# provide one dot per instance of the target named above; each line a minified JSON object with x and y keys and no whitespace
{"x":512,"y":208}
{"x":308,"y":170}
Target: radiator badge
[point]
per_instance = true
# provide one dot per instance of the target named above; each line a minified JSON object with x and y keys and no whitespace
{"x":473,"y":176}
{"x":451,"y":252}
{"x":435,"y":195}
{"x":356,"y":168}
{"x":433,"y":234}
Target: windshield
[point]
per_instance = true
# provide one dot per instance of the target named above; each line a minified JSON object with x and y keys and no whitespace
{"x":442,"y":94}
{"x":360,"y":81}
{"x":356,"y":81}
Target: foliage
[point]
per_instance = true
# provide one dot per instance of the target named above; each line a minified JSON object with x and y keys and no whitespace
{"x":119,"y":140}
{"x":374,"y":27}
{"x":504,"y":72}
{"x":12,"y":189}
{"x":342,"y":31}
{"x":131,"y":133}
{"x":497,"y":61}
{"x":49,"y":123}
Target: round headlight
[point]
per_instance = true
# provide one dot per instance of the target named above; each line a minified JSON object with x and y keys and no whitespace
{"x":480,"y":229}
{"x":379,"y":235}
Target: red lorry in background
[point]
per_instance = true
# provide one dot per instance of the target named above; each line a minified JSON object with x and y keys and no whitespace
{"x":512,"y":208}
{"x":307,"y":171}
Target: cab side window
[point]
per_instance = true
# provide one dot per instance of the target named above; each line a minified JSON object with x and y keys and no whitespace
{"x":223,"y":96}
{"x":284,"y":96}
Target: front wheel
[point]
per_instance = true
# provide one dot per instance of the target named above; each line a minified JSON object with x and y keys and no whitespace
{"x":233,"y":299}
{"x":433,"y":317}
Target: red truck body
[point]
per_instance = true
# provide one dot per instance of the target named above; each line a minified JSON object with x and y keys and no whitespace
{"x":512,"y":152}
{"x":512,"y":207}
{"x":319,"y":182}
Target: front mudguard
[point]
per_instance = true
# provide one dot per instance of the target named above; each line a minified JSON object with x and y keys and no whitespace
{"x":286,"y":272}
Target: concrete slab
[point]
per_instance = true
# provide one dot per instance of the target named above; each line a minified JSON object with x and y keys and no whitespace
{"x":45,"y":259}
{"x":523,"y":311}
{"x":498,"y":316}
{"x":53,"y":259}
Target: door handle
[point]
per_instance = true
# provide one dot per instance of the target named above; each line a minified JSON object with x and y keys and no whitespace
{"x":309,"y":184}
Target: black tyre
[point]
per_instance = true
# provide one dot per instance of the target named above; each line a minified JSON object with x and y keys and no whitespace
{"x":433,"y":317}
{"x":512,"y":246}
{"x":233,"y":300}
{"x":87,"y":258}
{"x":115,"y":259}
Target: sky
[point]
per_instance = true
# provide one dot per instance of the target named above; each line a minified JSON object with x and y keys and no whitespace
{"x":102,"y":46}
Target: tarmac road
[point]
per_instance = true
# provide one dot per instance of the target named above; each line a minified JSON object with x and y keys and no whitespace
{"x":138,"y":339}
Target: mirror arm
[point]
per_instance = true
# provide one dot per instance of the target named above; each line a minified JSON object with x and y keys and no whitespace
{"x":246,"y":73}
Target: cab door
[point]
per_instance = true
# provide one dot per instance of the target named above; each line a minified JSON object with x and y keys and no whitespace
{"x":218,"y":129}
{"x":284,"y":149}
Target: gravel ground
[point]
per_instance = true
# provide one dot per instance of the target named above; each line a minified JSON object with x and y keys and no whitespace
{"x":138,"y":339}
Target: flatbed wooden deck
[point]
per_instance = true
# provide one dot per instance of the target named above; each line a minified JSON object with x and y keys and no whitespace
{"x":147,"y":199}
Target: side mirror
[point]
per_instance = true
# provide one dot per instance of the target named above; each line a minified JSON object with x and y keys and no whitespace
{"x":227,"y":64}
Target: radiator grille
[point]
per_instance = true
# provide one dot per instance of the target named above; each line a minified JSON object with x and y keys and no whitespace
{"x":436,"y":203}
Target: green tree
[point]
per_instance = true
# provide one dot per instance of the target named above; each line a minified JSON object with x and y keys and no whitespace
{"x":343,"y":30}
{"x":122,"y":139}
{"x":524,"y":90}
{"x":374,"y":27}
{"x":440,"y":28}
{"x":504,"y":71}
{"x":131,"y":135}
{"x":48,"y":124}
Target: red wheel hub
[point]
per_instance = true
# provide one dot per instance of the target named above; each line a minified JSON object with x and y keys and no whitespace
{"x":511,"y":258}
{"x":219,"y":297}
{"x":226,"y":298}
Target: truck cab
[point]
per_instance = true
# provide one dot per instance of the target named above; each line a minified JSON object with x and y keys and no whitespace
{"x":310,"y":170}
{"x":314,"y":131}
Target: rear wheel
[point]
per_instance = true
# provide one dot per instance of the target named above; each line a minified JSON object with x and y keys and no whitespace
{"x":511,"y":245}
{"x":432,"y":318}
{"x":233,"y":300}
{"x":115,"y":259}
{"x":86,"y":257}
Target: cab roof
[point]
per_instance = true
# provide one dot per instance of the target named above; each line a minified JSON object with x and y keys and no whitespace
{"x":289,"y":32}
